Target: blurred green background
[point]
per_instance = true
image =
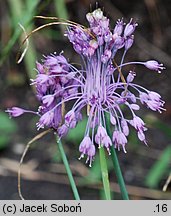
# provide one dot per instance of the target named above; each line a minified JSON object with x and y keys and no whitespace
{"x":145,"y":169}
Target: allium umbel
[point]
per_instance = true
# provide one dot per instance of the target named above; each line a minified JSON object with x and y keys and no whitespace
{"x":101,"y":86}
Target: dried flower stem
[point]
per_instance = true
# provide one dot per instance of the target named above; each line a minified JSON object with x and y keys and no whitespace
{"x":68,"y":170}
{"x":37,"y":137}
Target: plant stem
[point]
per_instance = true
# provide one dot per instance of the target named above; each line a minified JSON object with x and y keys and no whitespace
{"x":116,"y":164}
{"x":119,"y":174}
{"x":68,"y":170}
{"x":104,"y":171}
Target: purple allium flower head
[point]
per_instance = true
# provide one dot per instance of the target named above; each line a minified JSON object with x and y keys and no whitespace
{"x":101,"y":85}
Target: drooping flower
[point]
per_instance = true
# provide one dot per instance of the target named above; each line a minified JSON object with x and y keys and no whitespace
{"x":119,"y":140}
{"x":88,"y":148}
{"x":139,"y":125}
{"x":100,"y":135}
{"x":62,"y":130}
{"x":46,"y":119}
{"x":100,"y":84}
{"x":107,"y":143}
{"x":154,"y":65}
{"x":15,"y":111}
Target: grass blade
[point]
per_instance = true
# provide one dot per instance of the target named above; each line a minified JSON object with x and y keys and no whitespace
{"x":159,"y":168}
{"x":61,"y":11}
